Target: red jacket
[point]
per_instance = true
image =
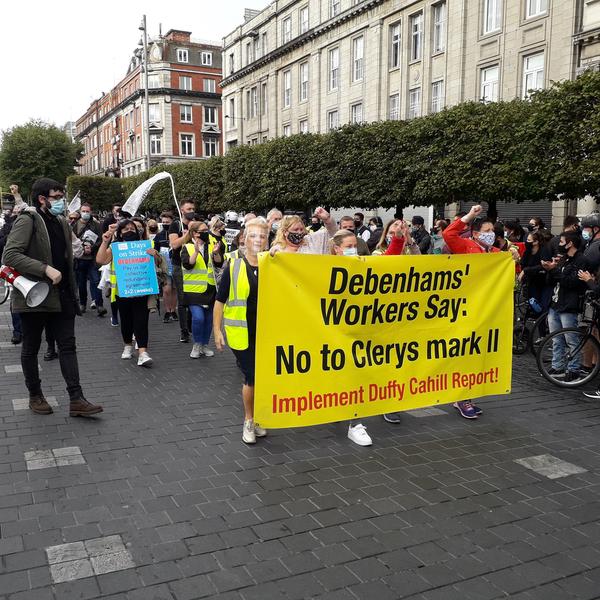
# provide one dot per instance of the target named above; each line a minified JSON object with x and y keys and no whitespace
{"x":396,"y":246}
{"x":460,"y":245}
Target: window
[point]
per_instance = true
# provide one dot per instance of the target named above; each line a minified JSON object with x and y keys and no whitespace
{"x":247,"y":104}
{"x":394,"y":107}
{"x":185,"y":82}
{"x":287,"y":89}
{"x":414,"y":103}
{"x":248,"y":53}
{"x":439,"y":27}
{"x":303,"y":81}
{"x":334,"y":68}
{"x":211,"y":146}
{"x":489,"y":89}
{"x":286,"y":28}
{"x":231,"y":63}
{"x":209,"y":86}
{"x":253,"y":102}
{"x":356,"y":113}
{"x":287,"y":130}
{"x":358,"y":47}
{"x":335,"y":7}
{"x":533,"y":73}
{"x":187,"y":144}
{"x":416,"y":36}
{"x":263,"y":99}
{"x":185,"y":113}
{"x":256,"y":47}
{"x":437,"y":96}
{"x":231,"y":120}
{"x":333,"y":120}
{"x":264,"y":44}
{"x":137,"y":118}
{"x":153,"y":81}
{"x":154,"y":113}
{"x":492,"y":11}
{"x":206,"y":59}
{"x":210,"y":115}
{"x":182,"y":55}
{"x":304,"y":19}
{"x":303,"y":126}
{"x":536,"y":7}
{"x":394,"y":46}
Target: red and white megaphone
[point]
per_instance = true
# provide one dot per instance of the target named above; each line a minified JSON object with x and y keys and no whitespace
{"x":35,"y":292}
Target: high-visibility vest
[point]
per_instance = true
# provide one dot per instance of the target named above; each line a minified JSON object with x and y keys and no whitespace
{"x":114,"y":290}
{"x":197,"y":279}
{"x":212,"y":242}
{"x":233,"y":255}
{"x":234,"y":312}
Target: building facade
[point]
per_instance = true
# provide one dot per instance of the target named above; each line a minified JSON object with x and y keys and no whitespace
{"x":185,"y":117}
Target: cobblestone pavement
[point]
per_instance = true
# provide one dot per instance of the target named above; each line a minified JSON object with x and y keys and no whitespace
{"x":159,"y":498}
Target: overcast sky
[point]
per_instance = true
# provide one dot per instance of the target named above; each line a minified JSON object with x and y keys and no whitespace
{"x":58,"y":56}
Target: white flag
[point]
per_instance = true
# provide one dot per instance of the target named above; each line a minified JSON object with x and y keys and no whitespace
{"x":139,"y":194}
{"x":75,"y":204}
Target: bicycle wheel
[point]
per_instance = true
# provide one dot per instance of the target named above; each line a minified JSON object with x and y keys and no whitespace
{"x":521,"y":338}
{"x":568,"y":374}
{"x":4,"y":291}
{"x":538,"y":332}
{"x":520,"y":300}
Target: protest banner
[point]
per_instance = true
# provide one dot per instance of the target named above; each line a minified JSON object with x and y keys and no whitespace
{"x":134,"y":268}
{"x":348,"y":337}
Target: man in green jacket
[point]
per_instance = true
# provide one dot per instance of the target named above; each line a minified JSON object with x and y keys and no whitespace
{"x":39,"y":247}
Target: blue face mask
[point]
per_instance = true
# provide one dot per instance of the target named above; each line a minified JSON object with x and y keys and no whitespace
{"x":586,"y":235}
{"x":350,"y":252}
{"x":57,"y":207}
{"x":488,"y":237}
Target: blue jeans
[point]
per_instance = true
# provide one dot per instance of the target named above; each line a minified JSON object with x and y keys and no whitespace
{"x":88,"y":271}
{"x":558,"y":320}
{"x":202,"y":319}
{"x":16,"y":323}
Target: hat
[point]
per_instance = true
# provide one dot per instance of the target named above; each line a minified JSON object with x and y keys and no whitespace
{"x":417,"y":220}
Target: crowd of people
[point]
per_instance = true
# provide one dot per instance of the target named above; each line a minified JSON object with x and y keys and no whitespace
{"x":207,"y":268}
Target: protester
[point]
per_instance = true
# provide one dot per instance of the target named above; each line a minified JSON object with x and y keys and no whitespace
{"x":349,"y":224}
{"x":503,"y":244}
{"x":315,"y":223}
{"x":198,"y":286}
{"x":532,"y":273}
{"x":438,"y":246}
{"x":376,"y":229}
{"x":274,"y":217}
{"x":40,"y":246}
{"x":112,"y":218}
{"x":396,"y":239}
{"x":236,"y":309}
{"x":514,"y":232}
{"x":292,"y":235}
{"x":161,"y":243}
{"x":420,"y":235}
{"x":360,"y":229}
{"x":590,"y":232}
{"x":133,"y":312}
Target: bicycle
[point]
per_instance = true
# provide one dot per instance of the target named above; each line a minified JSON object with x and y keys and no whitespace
{"x":573,"y":340}
{"x":529,"y":331}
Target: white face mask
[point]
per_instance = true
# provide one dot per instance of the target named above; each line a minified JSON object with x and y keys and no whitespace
{"x":372,"y":227}
{"x":488,"y":238}
{"x":350,"y":252}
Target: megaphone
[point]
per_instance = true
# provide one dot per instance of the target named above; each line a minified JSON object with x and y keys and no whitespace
{"x":34,"y":292}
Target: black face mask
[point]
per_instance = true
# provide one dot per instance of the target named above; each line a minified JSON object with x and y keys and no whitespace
{"x":130,"y":236}
{"x":530,"y":227}
{"x":189,"y":216}
{"x":203,"y":235}
{"x":562,"y":250}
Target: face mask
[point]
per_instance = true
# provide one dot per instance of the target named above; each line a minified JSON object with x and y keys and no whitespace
{"x":275,"y":226}
{"x":203,"y":236}
{"x":350,"y":252}
{"x":562,"y":249}
{"x":373,"y":227}
{"x":153,"y":229}
{"x":130,"y":236}
{"x":295,"y":238}
{"x":488,"y":238}
{"x":388,"y":239}
{"x":315,"y":226}
{"x":57,"y":207}
{"x":586,"y":235}
{"x":86,"y":216}
{"x":530,"y":227}
{"x":189,"y":216}
{"x":528,"y":244}
{"x":357,"y":224}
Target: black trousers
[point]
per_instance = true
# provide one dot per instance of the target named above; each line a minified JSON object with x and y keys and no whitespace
{"x":185,"y":317}
{"x":133,"y":317}
{"x":61,"y":327}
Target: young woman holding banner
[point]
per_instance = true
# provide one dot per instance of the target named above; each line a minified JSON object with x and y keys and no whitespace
{"x":236,"y":308}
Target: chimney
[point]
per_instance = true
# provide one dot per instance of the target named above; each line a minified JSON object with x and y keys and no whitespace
{"x":177,"y":35}
{"x":250,"y":13}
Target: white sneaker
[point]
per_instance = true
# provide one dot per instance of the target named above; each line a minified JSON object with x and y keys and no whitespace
{"x":248,"y":434}
{"x":196,"y":351}
{"x":259,"y":431}
{"x":358,"y":434}
{"x":93,"y":305}
{"x":144,"y":360}
{"x":207,"y":351}
{"x":127,"y":352}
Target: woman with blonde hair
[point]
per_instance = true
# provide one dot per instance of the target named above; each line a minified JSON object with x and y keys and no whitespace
{"x":396,"y":239}
{"x":293,"y":237}
{"x":236,"y":309}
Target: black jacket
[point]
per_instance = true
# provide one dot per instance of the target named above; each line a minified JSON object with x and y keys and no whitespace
{"x":592,"y":255}
{"x":569,"y":289}
{"x":423,"y":239}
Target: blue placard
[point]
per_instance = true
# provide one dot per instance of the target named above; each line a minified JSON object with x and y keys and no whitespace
{"x":134,"y":268}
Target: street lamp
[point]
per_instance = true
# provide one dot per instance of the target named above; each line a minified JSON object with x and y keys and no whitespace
{"x":144,"y":67}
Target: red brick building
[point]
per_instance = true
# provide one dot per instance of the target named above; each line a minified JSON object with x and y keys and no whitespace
{"x":185,"y":110}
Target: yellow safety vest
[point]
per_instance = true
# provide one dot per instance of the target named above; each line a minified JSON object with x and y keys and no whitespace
{"x":233,"y":255}
{"x":197,"y":279}
{"x":234,"y":312}
{"x":114,"y":290}
{"x":212,"y":242}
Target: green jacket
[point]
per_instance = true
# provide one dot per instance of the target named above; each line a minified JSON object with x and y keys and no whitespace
{"x":28,"y":252}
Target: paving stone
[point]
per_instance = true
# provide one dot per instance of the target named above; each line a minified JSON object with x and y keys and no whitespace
{"x":23,"y":403}
{"x":550,"y":466}
{"x":70,"y":570}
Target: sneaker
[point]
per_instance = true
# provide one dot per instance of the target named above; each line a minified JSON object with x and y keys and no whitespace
{"x":556,"y":373}
{"x":144,"y":360}
{"x":39,"y":405}
{"x":393,"y":417}
{"x":248,"y":433}
{"x":207,"y":351}
{"x":574,"y":376}
{"x":114,"y":322}
{"x":93,"y":305}
{"x":259,"y":431}
{"x":174,"y":316}
{"x":196,"y":351}
{"x":102,"y":311}
{"x":358,"y":434}
{"x":80,"y":407}
{"x":595,"y":395}
{"x":466,"y":409}
{"x":51,"y":354}
{"x":16,"y":338}
{"x":477,"y":410}
{"x":185,"y":337}
{"x":167,"y":318}
{"x":127,"y":352}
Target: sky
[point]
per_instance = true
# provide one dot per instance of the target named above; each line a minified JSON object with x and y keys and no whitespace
{"x":58,"y":56}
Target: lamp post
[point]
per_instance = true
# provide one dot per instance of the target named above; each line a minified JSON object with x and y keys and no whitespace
{"x":144,"y":66}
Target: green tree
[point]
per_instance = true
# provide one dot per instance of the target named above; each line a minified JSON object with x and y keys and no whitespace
{"x":35,"y":150}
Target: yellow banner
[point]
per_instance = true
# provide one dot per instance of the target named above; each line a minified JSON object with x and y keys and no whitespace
{"x":348,"y":337}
